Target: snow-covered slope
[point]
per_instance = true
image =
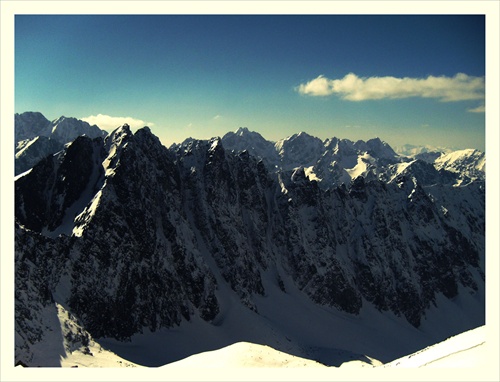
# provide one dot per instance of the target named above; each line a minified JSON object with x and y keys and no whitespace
{"x":461,"y":351}
{"x":461,"y":165}
{"x":243,"y":354}
{"x":469,"y":164}
{"x":465,"y":350}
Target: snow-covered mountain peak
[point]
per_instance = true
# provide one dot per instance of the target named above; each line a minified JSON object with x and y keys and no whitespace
{"x":244,"y":135}
{"x":114,"y":143}
{"x":66,"y":129}
{"x":241,"y":131}
{"x":460,"y":156}
{"x":29,"y":125}
{"x":301,"y":137}
{"x":470,"y":164}
{"x":254,"y":143}
{"x":380,"y":149}
{"x":59,"y":120}
{"x":299,"y":149}
{"x":32,"y":116}
{"x":339,"y":147}
{"x":118,"y":135}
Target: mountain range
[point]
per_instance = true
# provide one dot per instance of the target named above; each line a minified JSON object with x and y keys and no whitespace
{"x":327,"y":250}
{"x":36,"y":137}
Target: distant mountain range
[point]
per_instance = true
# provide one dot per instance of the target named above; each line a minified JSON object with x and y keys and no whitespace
{"x":336,"y":161}
{"x":36,"y":137}
{"x":328,"y":250}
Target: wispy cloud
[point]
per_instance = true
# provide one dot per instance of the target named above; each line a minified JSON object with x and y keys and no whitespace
{"x":479,"y":109}
{"x":461,"y":87}
{"x":217,"y":117}
{"x":108,"y":122}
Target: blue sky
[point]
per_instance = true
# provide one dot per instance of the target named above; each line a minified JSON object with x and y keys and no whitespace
{"x":405,"y":79}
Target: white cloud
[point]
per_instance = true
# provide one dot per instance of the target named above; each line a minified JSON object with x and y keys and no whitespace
{"x":461,"y":87}
{"x":107,"y":122}
{"x":217,"y":116}
{"x":479,"y":109}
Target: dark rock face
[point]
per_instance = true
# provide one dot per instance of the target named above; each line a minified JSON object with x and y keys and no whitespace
{"x":158,"y":235}
{"x":57,"y":183}
{"x":138,"y":242}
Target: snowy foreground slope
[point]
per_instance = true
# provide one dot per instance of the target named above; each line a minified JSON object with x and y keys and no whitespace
{"x":156,"y":254}
{"x":465,"y":357}
{"x":464,"y":350}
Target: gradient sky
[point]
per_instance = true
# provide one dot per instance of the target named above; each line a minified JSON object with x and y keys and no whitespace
{"x":405,"y":79}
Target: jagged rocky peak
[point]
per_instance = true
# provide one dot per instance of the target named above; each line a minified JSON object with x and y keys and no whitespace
{"x":299,"y":149}
{"x":66,"y":129}
{"x":63,"y":128}
{"x":145,"y":133}
{"x":62,"y":118}
{"x":340,"y":147}
{"x":242,"y":130}
{"x":31,"y":118}
{"x":254,"y":143}
{"x":380,"y":149}
{"x":143,"y":140}
{"x":243,"y":138}
{"x":426,"y":174}
{"x":298,"y":138}
{"x":148,"y":139}
{"x":29,"y":125}
{"x":119,"y":135}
